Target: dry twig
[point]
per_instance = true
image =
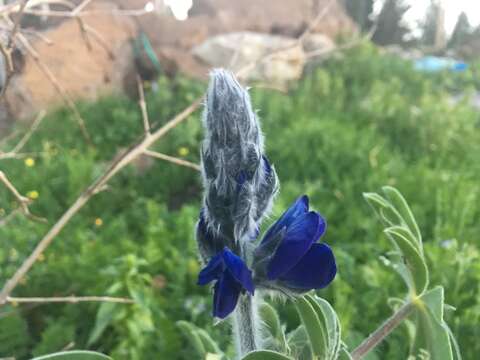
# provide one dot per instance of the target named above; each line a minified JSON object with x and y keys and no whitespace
{"x":23,"y":201}
{"x":68,"y":299}
{"x":172,"y":159}
{"x":19,"y":146}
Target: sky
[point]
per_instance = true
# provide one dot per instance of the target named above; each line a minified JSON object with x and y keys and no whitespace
{"x":453,"y":8}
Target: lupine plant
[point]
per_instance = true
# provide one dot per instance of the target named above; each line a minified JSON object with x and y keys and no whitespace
{"x":288,"y":261}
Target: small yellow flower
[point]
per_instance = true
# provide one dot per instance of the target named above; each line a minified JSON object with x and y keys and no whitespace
{"x":33,"y":194}
{"x":29,"y":162}
{"x":183,"y":151}
{"x":41,"y":257}
{"x":98,"y":222}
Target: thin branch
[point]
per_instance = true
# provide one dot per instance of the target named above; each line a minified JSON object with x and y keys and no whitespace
{"x":117,"y":164}
{"x":172,"y":159}
{"x":16,"y":24}
{"x":58,"y":87}
{"x":29,"y":133}
{"x":101,"y":41}
{"x":68,"y":299}
{"x":313,"y":24}
{"x":143,"y":106}
{"x":22,"y":200}
{"x":383,"y":331}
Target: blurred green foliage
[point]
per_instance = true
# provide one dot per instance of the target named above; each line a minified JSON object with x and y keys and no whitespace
{"x":358,"y":122}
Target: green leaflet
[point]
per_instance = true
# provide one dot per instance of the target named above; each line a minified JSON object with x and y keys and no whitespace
{"x":314,"y":327}
{"x":201,"y":341}
{"x":209,"y":344}
{"x":400,"y":204}
{"x":272,"y":321}
{"x":191,"y":333}
{"x":297,"y":341}
{"x":330,"y":323}
{"x":74,"y":355}
{"x":266,"y":355}
{"x":414,"y":262}
{"x":105,"y":315}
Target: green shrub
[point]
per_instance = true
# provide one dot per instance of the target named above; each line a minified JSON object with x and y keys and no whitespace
{"x":353,"y":125}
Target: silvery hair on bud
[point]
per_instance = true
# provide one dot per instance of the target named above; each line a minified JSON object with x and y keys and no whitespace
{"x":239,"y":182}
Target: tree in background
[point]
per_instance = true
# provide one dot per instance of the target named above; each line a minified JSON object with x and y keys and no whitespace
{"x":360,"y":11}
{"x":433,"y":26}
{"x":462,"y":32}
{"x":390,"y":27}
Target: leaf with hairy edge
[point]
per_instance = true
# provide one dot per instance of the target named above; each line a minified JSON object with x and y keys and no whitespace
{"x":266,"y":355}
{"x":298,"y":344}
{"x":414,"y":261}
{"x":190,"y":332}
{"x":74,"y":355}
{"x":272,"y":321}
{"x":387,"y":213}
{"x":330,"y":323}
{"x":405,"y":231}
{"x":399,"y":202}
{"x":316,"y":332}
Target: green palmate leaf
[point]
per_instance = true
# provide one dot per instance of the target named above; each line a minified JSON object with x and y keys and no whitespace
{"x":400,"y":204}
{"x":195,"y":339}
{"x":413,"y":260}
{"x":74,"y":355}
{"x":330,"y":323}
{"x":316,"y":330}
{"x":432,"y":332}
{"x":266,"y":355}
{"x":272,"y":321}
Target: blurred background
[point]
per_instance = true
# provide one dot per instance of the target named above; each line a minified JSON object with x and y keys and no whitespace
{"x":352,"y":95}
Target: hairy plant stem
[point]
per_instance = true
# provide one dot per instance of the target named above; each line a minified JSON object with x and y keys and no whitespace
{"x":383,"y":331}
{"x":244,"y":325}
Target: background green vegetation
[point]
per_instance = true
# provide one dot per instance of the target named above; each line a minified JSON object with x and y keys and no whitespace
{"x":358,"y":122}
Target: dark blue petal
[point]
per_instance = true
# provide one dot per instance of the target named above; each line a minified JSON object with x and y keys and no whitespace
{"x":322,"y":227}
{"x":238,"y":269}
{"x":225,"y":295}
{"x":212,"y":271}
{"x":315,"y":271}
{"x":299,"y":237}
{"x":298,"y":208}
{"x":266,"y":165}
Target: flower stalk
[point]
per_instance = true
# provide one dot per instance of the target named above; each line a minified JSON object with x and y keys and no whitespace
{"x":383,"y":331}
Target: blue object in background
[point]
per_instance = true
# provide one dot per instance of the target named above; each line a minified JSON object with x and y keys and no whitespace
{"x":435,"y":64}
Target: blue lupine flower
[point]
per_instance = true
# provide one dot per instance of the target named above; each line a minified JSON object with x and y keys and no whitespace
{"x":233,"y":278}
{"x":299,"y":262}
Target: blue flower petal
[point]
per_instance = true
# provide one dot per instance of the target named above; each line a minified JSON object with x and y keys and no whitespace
{"x":225,"y":297}
{"x":315,"y":271}
{"x":299,"y":237}
{"x":298,"y":208}
{"x":212,"y":271}
{"x":238,"y":269}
